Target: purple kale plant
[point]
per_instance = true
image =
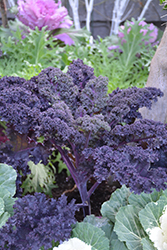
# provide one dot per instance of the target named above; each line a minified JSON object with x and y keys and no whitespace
{"x":97,"y":134}
{"x":37,"y":222}
{"x":16,"y":146}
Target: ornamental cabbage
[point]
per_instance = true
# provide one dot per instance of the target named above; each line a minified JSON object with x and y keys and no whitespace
{"x":137,"y":34}
{"x":40,"y":13}
{"x":73,"y":244}
{"x":144,"y":29}
{"x":158,"y":235}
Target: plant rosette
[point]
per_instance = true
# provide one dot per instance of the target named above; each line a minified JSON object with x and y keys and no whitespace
{"x":45,"y":13}
{"x":129,"y":221}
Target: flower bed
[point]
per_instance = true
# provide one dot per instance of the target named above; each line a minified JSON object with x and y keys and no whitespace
{"x":79,"y":167}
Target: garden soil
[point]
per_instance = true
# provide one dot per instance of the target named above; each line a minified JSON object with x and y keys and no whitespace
{"x":66,"y":185}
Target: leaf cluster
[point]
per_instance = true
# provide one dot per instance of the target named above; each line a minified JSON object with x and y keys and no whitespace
{"x":7,"y":191}
{"x":135,"y":43}
{"x":37,"y":222}
{"x":28,"y":53}
{"x":38,"y":50}
{"x":130,"y":67}
{"x":42,"y":178}
{"x":126,"y":221}
{"x":107,"y":63}
{"x":55,"y":162}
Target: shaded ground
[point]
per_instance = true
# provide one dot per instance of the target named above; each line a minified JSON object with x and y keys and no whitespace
{"x":66,"y":185}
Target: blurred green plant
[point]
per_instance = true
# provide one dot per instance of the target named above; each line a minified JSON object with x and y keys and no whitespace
{"x":124,"y":68}
{"x":55,"y":159}
{"x":28,"y":56}
{"x":41,"y":179}
{"x":164,"y":3}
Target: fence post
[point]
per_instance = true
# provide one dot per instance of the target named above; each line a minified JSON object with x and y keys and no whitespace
{"x":3,"y":13}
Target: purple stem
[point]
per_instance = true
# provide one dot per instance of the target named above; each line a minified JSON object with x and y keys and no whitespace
{"x":134,"y":140}
{"x":87,"y":139}
{"x":79,"y":180}
{"x":75,"y":154}
{"x":69,"y":164}
{"x":92,"y":189}
{"x":82,"y":187}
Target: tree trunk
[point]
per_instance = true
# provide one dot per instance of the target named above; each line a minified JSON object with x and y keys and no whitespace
{"x":3,"y":13}
{"x":158,"y":78}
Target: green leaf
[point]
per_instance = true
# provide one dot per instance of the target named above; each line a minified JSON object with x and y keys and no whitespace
{"x":2,"y":206}
{"x":134,"y":40}
{"x":37,"y":48}
{"x":8,"y":200}
{"x":102,"y":223}
{"x":7,"y":178}
{"x":147,"y":244}
{"x":164,"y":195}
{"x":7,"y":189}
{"x":107,"y":227}
{"x":56,"y":158}
{"x":149,"y":216}
{"x":3,"y":218}
{"x":40,"y":179}
{"x":91,"y":235}
{"x":128,"y":227}
{"x":115,"y":243}
{"x":96,"y":221}
{"x":61,"y":164}
{"x":143,"y":199}
{"x":118,"y":199}
{"x":3,"y":215}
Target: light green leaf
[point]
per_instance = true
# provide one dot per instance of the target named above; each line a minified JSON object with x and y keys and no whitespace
{"x":107,"y":227}
{"x":41,"y":178}
{"x":147,"y":244}
{"x":2,"y":206}
{"x":118,"y":199}
{"x":102,"y":223}
{"x":143,"y":199}
{"x":8,"y":200}
{"x":3,"y":218}
{"x":7,"y":190}
{"x":128,"y":227}
{"x":3,"y":215}
{"x":164,"y":194}
{"x":7,"y":178}
{"x":115,"y":243}
{"x":132,"y":46}
{"x":149,"y":216}
{"x":96,"y":221}
{"x":91,"y":235}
